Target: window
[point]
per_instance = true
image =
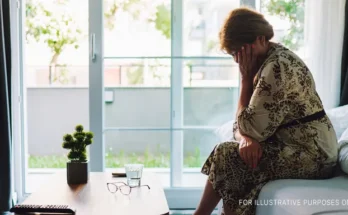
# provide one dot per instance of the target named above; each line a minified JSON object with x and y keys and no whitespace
{"x":55,"y":79}
{"x":155,"y":93}
{"x":287,"y":19}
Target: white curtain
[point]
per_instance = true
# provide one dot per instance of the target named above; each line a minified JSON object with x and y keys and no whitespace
{"x":324,"y":29}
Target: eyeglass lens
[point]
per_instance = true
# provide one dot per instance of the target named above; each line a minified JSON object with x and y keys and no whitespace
{"x":125,"y":189}
{"x":112,"y":188}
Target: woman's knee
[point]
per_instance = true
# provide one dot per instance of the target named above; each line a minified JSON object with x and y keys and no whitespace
{"x":226,"y":156}
{"x":227,"y":147}
{"x":227,"y":210}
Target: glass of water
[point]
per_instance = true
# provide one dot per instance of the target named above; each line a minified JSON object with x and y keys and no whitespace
{"x":134,"y":173}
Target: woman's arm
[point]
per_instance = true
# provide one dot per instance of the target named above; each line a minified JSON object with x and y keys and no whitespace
{"x":249,"y":150}
{"x":246,"y":91}
{"x":268,"y":104}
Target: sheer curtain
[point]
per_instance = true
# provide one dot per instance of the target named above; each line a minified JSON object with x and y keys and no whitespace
{"x":324,"y":29}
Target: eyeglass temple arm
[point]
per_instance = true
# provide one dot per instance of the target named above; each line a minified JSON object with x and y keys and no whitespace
{"x":114,"y":183}
{"x":117,"y":182}
{"x":140,"y":186}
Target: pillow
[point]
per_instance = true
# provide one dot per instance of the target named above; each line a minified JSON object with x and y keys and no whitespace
{"x":343,"y":151}
{"x":338,"y":117}
{"x":225,"y":132}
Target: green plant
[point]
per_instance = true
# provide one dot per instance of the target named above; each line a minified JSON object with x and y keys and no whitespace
{"x":135,"y":75}
{"x":77,"y":143}
{"x":133,"y":7}
{"x":194,"y":160}
{"x":163,"y":20}
{"x":57,"y":30}
{"x":293,"y":11}
{"x":161,"y":17}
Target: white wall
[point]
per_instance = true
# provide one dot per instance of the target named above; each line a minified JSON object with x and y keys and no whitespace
{"x":52,"y":112}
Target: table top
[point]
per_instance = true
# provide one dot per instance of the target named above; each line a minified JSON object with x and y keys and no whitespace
{"x":94,"y":197}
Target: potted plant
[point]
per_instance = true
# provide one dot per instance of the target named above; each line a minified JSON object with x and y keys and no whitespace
{"x":77,"y":167}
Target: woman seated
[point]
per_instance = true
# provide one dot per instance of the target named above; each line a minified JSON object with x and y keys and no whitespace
{"x":281,"y":129}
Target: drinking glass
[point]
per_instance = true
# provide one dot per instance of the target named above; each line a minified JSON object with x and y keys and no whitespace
{"x":134,"y":173}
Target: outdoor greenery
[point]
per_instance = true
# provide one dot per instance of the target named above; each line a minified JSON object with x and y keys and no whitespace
{"x":150,"y":160}
{"x":163,"y":20}
{"x":161,"y":16}
{"x":58,"y":30}
{"x":114,"y":6}
{"x":77,"y":143}
{"x":293,"y":11}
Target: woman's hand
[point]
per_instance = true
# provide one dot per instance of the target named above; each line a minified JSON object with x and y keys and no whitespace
{"x":247,"y":60}
{"x":250,"y":151}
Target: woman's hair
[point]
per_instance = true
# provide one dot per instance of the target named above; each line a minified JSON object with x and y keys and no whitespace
{"x":243,"y":26}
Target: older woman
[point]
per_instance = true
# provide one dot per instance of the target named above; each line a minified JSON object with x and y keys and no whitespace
{"x":281,"y":129}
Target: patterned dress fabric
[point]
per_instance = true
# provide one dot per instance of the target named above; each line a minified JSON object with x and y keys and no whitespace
{"x":284,"y":90}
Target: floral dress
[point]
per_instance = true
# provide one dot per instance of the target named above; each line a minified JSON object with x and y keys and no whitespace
{"x":284,"y":91}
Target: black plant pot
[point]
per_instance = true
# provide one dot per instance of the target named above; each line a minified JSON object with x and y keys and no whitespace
{"x":77,"y":172}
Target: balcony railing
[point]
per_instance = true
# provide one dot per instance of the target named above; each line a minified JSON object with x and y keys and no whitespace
{"x":142,"y":72}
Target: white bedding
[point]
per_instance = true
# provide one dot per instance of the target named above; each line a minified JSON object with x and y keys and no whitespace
{"x":343,"y":151}
{"x":304,"y":197}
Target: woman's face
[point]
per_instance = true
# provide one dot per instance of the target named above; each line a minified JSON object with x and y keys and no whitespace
{"x":259,"y":48}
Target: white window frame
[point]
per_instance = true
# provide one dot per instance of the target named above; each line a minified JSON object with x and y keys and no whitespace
{"x":18,"y":101}
{"x":176,"y":95}
{"x":96,"y":84}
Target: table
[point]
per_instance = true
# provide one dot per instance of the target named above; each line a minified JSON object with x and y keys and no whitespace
{"x":94,"y":198}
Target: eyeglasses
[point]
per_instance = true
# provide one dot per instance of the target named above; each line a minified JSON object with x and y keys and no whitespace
{"x":123,"y":187}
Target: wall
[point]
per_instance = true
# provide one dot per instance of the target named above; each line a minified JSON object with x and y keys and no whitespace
{"x":52,"y":112}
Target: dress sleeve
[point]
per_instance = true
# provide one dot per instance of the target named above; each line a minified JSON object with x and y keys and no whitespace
{"x":235,"y":129}
{"x":268,"y":105}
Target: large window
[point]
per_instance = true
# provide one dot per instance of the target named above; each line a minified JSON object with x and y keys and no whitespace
{"x":155,"y":92}
{"x":55,"y":79}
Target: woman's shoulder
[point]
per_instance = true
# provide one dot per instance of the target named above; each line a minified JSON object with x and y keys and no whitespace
{"x":280,"y":54}
{"x":282,"y":66}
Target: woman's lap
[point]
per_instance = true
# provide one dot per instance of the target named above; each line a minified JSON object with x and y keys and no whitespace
{"x":235,"y":181}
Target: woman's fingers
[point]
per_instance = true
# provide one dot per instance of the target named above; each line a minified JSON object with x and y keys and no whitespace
{"x":253,"y":158}
{"x":239,"y":57}
{"x":253,"y":54}
{"x":260,"y":153}
{"x":248,"y":52}
{"x":250,"y":157}
{"x":243,"y":151}
{"x":243,"y":55}
{"x":250,"y":152}
{"x":243,"y":155}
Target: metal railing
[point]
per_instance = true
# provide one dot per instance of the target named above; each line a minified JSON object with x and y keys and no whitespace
{"x":62,"y":75}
